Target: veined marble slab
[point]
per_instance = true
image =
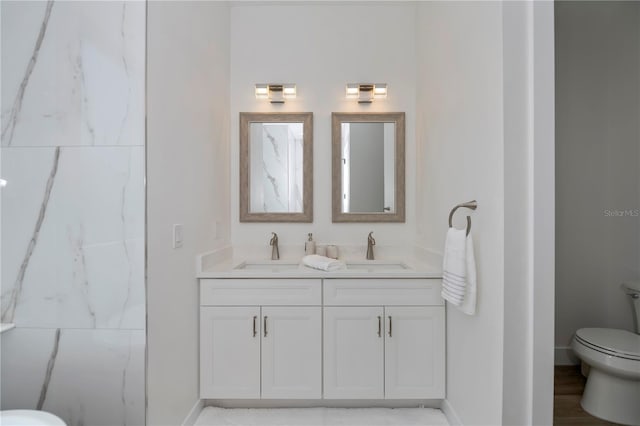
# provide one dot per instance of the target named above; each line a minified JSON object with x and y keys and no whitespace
{"x":73,"y":240}
{"x":72,"y":144}
{"x":73,"y":73}
{"x":86,"y":377}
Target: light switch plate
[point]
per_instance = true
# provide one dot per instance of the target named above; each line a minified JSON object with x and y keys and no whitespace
{"x":178,"y":235}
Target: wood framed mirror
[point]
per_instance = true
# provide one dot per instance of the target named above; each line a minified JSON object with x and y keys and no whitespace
{"x":368,"y":167}
{"x":276,"y":167}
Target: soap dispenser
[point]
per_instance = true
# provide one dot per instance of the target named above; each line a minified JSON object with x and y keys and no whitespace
{"x":310,"y":245}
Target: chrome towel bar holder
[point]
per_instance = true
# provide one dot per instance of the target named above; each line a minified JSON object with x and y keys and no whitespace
{"x":473,"y":204}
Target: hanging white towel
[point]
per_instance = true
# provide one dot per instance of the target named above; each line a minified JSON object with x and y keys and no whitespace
{"x":323,"y":263}
{"x":459,"y":271}
{"x":454,"y":268}
{"x":469,"y":302}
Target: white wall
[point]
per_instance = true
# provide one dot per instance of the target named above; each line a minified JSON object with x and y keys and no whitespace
{"x":528,"y":65}
{"x":461,"y":157}
{"x":321,"y":48}
{"x":187,"y":183}
{"x":541,"y":237}
{"x":492,"y":70}
{"x":598,"y":151}
{"x":517,"y":383}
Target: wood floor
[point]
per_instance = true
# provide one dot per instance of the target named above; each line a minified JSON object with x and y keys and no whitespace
{"x":568,"y":386}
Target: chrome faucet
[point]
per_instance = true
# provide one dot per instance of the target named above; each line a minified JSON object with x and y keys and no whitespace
{"x":273,"y":242}
{"x":370,"y":243}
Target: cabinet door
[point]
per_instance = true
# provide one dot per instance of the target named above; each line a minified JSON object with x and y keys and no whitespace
{"x":291,"y":352}
{"x":353,"y":352}
{"x":229,"y":352}
{"x":414,"y":352}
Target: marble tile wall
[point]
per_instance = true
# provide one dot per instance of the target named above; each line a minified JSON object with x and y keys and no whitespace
{"x":72,"y":231}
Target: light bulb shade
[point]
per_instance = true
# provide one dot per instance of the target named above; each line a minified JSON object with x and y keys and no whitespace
{"x":262,"y":91}
{"x":380,"y":90}
{"x":289,"y":91}
{"x":352,"y":91}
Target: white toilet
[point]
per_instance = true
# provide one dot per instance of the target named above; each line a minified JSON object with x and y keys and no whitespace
{"x":612,"y":391}
{"x":29,"y":418}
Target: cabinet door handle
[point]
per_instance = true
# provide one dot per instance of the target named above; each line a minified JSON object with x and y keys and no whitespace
{"x":379,"y":326}
{"x":265,"y":326}
{"x":255,"y":329}
{"x":390,"y":327}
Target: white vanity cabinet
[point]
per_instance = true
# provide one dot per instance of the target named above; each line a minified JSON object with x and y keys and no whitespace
{"x":395,"y":350}
{"x":331,"y":338}
{"x":291,"y":352}
{"x":229,"y":352}
{"x":353,"y":352}
{"x":414,"y":351}
{"x":263,"y":350}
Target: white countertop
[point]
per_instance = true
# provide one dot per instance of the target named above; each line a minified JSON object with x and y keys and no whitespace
{"x":228,"y":264}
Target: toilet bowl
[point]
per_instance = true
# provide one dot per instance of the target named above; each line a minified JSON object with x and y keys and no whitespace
{"x":29,"y":418}
{"x":612,"y":391}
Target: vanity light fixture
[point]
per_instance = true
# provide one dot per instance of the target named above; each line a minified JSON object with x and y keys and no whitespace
{"x":365,"y":93}
{"x":276,"y":93}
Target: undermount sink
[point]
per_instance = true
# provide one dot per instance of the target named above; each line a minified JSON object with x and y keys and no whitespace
{"x":274,"y":266}
{"x":377,"y":266}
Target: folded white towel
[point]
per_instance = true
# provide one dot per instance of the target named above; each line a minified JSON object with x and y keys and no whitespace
{"x":459,"y":271}
{"x":323,"y":263}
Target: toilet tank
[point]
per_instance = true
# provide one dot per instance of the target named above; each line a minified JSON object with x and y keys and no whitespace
{"x":632,"y":289}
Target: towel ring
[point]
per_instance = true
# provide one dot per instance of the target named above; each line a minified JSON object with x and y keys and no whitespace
{"x":473,"y":204}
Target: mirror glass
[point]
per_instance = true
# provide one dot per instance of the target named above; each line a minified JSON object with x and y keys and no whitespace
{"x":275,"y":167}
{"x":368,"y":167}
{"x":368,"y":164}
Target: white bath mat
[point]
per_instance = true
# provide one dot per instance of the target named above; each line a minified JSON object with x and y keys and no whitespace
{"x":213,"y":416}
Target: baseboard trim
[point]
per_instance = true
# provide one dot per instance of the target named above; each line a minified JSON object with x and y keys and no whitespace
{"x":193,"y":415}
{"x":450,"y":413}
{"x":564,"y":356}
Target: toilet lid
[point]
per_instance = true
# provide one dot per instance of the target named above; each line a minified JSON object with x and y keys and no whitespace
{"x":617,"y":342}
{"x":29,"y":418}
